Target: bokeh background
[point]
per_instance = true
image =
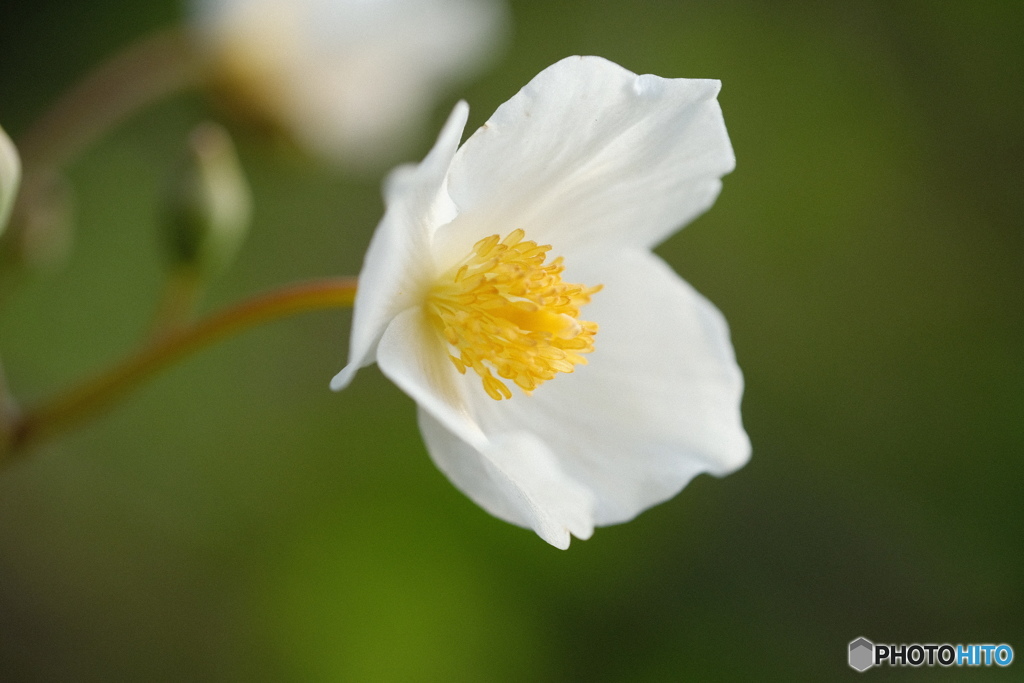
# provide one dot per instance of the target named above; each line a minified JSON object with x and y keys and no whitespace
{"x":236,"y":521}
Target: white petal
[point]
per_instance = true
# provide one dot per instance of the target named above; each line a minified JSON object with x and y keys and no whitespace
{"x":591,"y":153}
{"x":413,"y":356}
{"x":398,"y":262}
{"x":658,"y":402}
{"x":516,"y":478}
{"x":10,"y":177}
{"x":510,"y":474}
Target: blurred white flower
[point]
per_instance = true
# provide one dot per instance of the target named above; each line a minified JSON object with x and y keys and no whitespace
{"x":350,"y":79}
{"x":10,"y":177}
{"x":600,"y":164}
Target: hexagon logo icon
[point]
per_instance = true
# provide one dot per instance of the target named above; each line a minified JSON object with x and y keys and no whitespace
{"x":862,"y":654}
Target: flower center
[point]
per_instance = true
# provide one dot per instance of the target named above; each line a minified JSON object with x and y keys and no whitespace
{"x":505,"y":311}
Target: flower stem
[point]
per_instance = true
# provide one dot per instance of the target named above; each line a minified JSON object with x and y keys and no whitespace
{"x":183,"y":289}
{"x":87,"y":398}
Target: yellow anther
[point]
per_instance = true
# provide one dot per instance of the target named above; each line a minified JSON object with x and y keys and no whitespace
{"x":506,"y":312}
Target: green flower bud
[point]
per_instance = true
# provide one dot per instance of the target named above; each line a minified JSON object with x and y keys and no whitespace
{"x":10,"y":176}
{"x":210,"y":204}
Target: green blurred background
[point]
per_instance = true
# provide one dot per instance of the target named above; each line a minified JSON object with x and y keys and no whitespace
{"x":236,"y":521}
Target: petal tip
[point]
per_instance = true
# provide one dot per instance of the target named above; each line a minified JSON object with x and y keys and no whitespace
{"x":456,"y":122}
{"x":559,"y":539}
{"x":734,"y":456}
{"x":740,"y":457}
{"x":343,"y":378}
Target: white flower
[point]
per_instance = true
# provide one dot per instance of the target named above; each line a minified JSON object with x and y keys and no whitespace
{"x":10,"y":177}
{"x":347,"y":78}
{"x":601,"y":164}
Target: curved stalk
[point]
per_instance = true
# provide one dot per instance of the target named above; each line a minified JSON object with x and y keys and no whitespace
{"x":86,"y":399}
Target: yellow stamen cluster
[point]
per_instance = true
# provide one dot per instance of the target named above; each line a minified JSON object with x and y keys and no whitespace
{"x":504,"y":310}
